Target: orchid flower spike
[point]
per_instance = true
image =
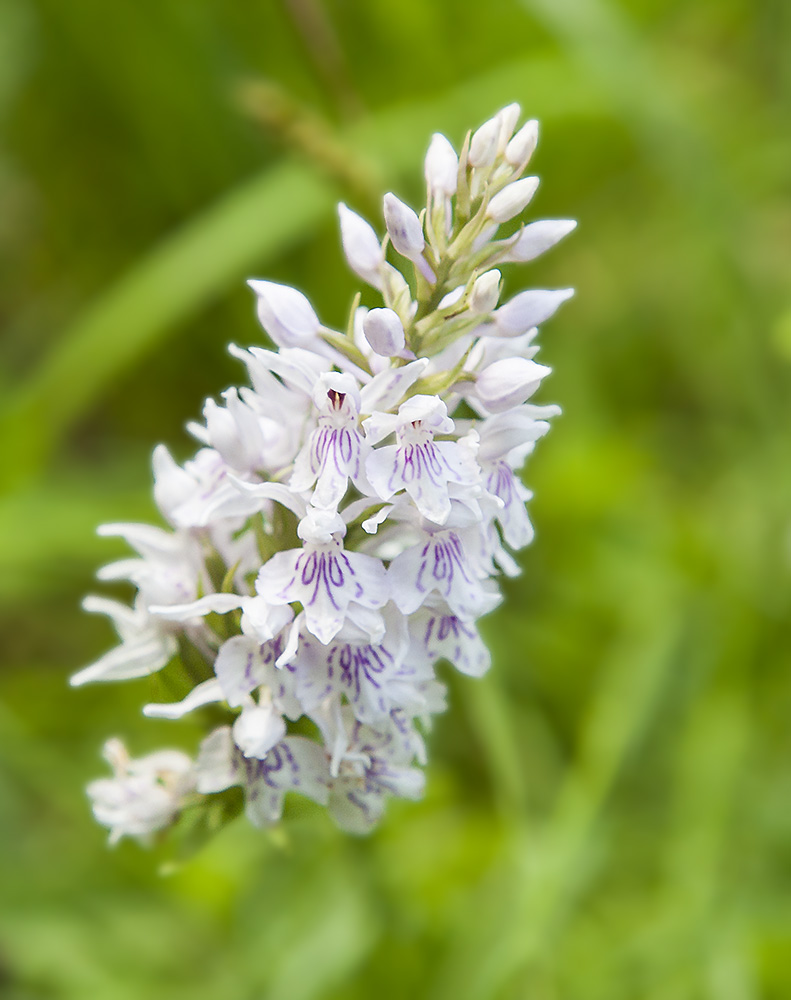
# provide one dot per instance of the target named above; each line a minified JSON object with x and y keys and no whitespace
{"x":346,"y":518}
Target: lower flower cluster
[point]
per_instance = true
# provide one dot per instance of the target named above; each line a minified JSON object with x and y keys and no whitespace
{"x":343,"y":524}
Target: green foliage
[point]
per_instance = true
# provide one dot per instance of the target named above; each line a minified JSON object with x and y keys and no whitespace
{"x":608,"y":812}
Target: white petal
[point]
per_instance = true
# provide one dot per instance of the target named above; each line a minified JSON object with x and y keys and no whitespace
{"x":127,"y":621}
{"x":371,"y":524}
{"x":204,"y":694}
{"x":129,"y":660}
{"x":218,"y":603}
{"x":503,"y":432}
{"x":387,"y":388}
{"x":278,"y":492}
{"x":297,"y":367}
{"x":263,"y":621}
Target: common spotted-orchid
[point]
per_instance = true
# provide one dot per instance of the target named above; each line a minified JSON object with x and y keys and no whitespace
{"x":343,"y":523}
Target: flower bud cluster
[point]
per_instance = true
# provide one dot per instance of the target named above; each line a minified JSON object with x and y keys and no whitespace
{"x":341,"y":527}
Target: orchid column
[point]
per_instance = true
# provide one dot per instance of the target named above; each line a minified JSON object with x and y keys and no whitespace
{"x":344,"y":521}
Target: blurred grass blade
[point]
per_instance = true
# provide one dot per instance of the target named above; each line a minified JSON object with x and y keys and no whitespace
{"x":542,"y":870}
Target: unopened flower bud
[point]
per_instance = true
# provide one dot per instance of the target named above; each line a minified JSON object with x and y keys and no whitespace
{"x":483,"y":145}
{"x":361,"y":246}
{"x":512,"y":199}
{"x":441,"y":167}
{"x":538,"y":237}
{"x":285,"y":314}
{"x":403,"y":225}
{"x":384,"y":332}
{"x":508,"y":117}
{"x":528,"y":309}
{"x":485,"y":292}
{"x":520,"y":148}
{"x":509,"y":382}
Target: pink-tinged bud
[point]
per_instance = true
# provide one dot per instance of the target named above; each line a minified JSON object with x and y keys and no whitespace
{"x":361,"y":246}
{"x":285,"y":314}
{"x":538,"y":237}
{"x":384,"y":332}
{"x":441,"y":167}
{"x":508,"y":117}
{"x":483,"y":145}
{"x":508,"y":383}
{"x":528,"y":309}
{"x":403,"y":225}
{"x":512,"y":199}
{"x":521,"y":147}
{"x":485,"y":292}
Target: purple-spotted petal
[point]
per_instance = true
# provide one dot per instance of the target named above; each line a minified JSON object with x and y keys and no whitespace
{"x":439,"y":564}
{"x":441,"y":635}
{"x":325,"y":579}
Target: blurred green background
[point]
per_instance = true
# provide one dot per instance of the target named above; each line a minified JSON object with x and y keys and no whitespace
{"x":609,"y":812}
